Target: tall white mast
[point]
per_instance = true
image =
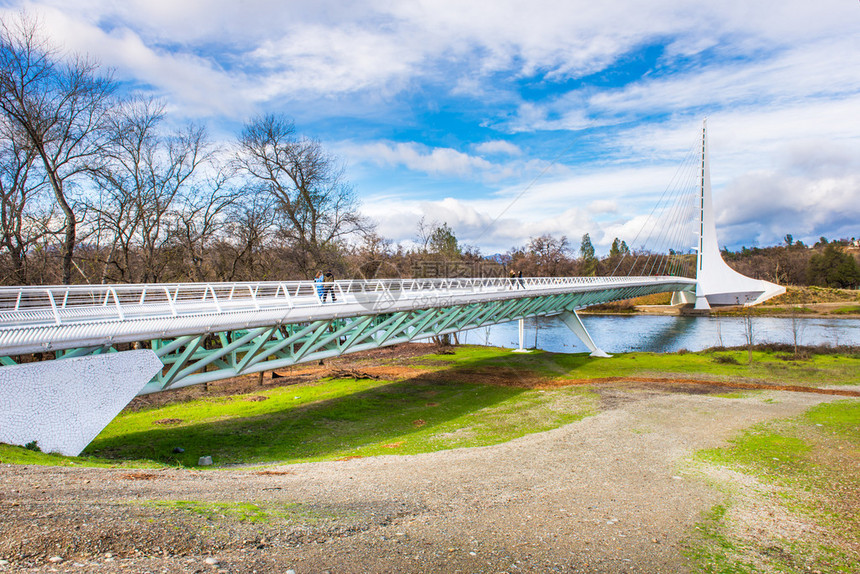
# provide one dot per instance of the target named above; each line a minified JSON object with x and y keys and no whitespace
{"x":717,"y":283}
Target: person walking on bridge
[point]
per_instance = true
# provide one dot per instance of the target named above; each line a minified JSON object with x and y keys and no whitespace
{"x":329,"y":287}
{"x":318,"y":280}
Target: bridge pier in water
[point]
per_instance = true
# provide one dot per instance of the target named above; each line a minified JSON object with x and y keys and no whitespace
{"x":574,"y":323}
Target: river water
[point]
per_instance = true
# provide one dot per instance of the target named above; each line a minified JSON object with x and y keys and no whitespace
{"x":661,"y":334}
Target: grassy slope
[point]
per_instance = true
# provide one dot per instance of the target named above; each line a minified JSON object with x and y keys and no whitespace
{"x":339,"y":418}
{"x":332,"y":419}
{"x":817,"y":370}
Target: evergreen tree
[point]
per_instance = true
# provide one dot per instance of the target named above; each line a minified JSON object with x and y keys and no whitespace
{"x":589,"y":261}
{"x":444,"y":242}
{"x":833,"y":268}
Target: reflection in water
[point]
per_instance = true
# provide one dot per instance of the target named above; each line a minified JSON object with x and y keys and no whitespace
{"x":625,"y":333}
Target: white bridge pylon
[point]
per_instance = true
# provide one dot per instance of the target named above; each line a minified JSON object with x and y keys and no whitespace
{"x":717,"y":283}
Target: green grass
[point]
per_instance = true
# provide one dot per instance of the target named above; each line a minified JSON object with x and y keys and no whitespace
{"x":19,"y":455}
{"x":766,"y":452}
{"x":340,"y":418}
{"x":849,"y":310}
{"x":714,"y":552}
{"x":333,"y":419}
{"x":841,"y":418}
{"x":818,"y":370}
{"x":239,"y":511}
{"x":813,"y":466}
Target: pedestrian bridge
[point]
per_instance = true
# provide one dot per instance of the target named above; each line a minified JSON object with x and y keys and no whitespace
{"x":205,"y":332}
{"x":97,"y":346}
{"x":112,"y":342}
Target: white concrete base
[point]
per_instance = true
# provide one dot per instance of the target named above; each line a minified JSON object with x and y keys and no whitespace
{"x":64,"y":404}
{"x":702,"y":303}
{"x":682,"y":298}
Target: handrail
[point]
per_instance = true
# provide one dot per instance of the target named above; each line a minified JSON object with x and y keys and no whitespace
{"x":38,"y":304}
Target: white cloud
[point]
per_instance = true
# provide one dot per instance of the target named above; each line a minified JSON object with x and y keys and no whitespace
{"x":331,"y":47}
{"x":779,"y":80}
{"x":603,"y":206}
{"x":434,"y":161}
{"x":498,"y":147}
{"x":191,"y":83}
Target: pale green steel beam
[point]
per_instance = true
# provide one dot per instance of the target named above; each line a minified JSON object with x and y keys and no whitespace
{"x":268,"y":348}
{"x":306,"y":344}
{"x":361,"y":333}
{"x":396,"y":321}
{"x":182,"y":359}
{"x":260,"y":337}
{"x":280,"y":345}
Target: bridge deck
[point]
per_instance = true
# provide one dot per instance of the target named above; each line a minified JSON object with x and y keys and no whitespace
{"x":34,"y":319}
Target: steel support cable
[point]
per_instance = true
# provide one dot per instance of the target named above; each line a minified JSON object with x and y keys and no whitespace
{"x":660,"y":242}
{"x":676,"y":232}
{"x":693,"y":149}
{"x":684,"y":205}
{"x":685,"y":227}
{"x":675,"y":229}
{"x":685,"y":232}
{"x":680,"y":231}
{"x":664,"y":237}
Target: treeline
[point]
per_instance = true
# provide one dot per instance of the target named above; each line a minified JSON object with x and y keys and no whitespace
{"x":825,"y":263}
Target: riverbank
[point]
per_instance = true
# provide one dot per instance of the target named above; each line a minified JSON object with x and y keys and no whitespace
{"x":795,"y":302}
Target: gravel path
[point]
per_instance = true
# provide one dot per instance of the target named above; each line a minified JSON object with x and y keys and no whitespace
{"x":611,"y":493}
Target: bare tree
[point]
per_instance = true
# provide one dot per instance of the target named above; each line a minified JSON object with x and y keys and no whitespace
{"x":749,"y":333}
{"x":319,"y":207}
{"x":797,"y":326}
{"x":251,"y":224}
{"x":141,"y":175}
{"x":551,"y":253}
{"x":23,"y":217}
{"x":201,"y":217}
{"x":57,"y":106}
{"x":425,"y":232}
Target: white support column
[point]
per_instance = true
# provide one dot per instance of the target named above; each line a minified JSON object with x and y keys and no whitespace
{"x":522,"y":329}
{"x":574,"y":323}
{"x":64,"y":404}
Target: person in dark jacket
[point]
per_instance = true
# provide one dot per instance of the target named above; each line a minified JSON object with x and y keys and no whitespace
{"x":329,"y":287}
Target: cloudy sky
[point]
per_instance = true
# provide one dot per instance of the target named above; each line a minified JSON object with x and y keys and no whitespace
{"x":509,"y":119}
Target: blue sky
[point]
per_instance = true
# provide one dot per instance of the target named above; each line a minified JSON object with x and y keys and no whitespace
{"x":450,"y":109}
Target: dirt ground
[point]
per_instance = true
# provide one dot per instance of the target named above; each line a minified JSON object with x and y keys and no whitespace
{"x":614,"y":492}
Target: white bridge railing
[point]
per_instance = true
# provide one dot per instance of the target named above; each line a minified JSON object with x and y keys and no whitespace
{"x":62,"y":305}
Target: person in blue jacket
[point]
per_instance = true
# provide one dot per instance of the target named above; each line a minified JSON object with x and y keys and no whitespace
{"x":318,"y":279}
